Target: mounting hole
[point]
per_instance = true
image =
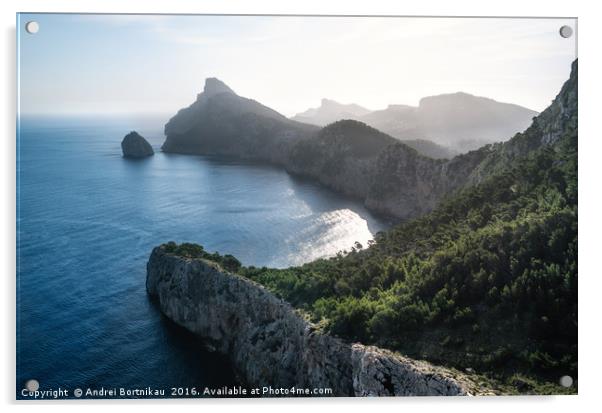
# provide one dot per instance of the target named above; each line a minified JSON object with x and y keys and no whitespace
{"x":32,"y":27}
{"x":566,"y":31}
{"x":32,"y":385}
{"x":566,"y":381}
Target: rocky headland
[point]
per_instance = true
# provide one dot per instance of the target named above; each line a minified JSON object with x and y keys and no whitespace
{"x":272,"y":344}
{"x":220,"y":122}
{"x":348,"y":156}
{"x":351,"y":157}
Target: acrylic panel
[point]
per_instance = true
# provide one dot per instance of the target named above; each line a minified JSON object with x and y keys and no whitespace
{"x":295,"y":206}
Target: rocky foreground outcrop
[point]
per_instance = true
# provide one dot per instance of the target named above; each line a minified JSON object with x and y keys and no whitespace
{"x":135,"y":146}
{"x":271,"y":344}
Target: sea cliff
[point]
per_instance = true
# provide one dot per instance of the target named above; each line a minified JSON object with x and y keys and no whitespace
{"x":271,"y":344}
{"x":350,"y":157}
{"x":353,"y":158}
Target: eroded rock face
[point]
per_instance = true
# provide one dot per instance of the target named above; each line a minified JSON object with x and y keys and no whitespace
{"x":391,"y":177}
{"x":270,"y":344}
{"x":220,"y":122}
{"x":351,"y":157}
{"x":348,"y":156}
{"x":559,"y":119}
{"x":135,"y":146}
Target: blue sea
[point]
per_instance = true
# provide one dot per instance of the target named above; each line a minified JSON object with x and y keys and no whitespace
{"x":87,"y":220}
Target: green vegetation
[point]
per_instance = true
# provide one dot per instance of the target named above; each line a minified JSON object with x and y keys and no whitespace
{"x":188,"y":250}
{"x":487,"y":282}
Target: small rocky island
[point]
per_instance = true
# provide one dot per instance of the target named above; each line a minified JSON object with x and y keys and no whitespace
{"x":135,"y":146}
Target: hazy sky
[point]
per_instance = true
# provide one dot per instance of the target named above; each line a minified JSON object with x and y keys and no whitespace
{"x":135,"y":64}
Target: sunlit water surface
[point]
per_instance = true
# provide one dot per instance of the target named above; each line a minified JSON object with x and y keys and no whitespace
{"x":88,"y":220}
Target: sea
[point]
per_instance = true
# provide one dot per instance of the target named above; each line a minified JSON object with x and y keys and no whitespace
{"x":87,"y":221}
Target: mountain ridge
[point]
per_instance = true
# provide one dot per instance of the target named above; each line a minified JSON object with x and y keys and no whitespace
{"x":221,"y":122}
{"x":394,"y":179}
{"x":445,"y":119}
{"x":330,"y":111}
{"x":485,"y":282}
{"x":227,"y":124}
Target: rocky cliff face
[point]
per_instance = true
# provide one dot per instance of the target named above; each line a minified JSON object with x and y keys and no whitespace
{"x":406,"y":185}
{"x":347,"y":156}
{"x":270,"y":344}
{"x":221,"y":122}
{"x":344,"y":156}
{"x":391,"y":177}
{"x":135,"y":146}
{"x":559,"y":119}
{"x":356,"y":159}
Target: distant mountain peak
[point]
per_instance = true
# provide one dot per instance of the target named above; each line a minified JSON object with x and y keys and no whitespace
{"x":353,"y":107}
{"x":330,"y":111}
{"x":466,"y":97}
{"x":396,"y":106}
{"x":214,"y":86}
{"x":460,"y":93}
{"x":330,"y":102}
{"x":451,"y":97}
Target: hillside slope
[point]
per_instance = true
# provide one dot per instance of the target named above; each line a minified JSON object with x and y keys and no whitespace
{"x":348,"y":156}
{"x":486,"y":282}
{"x":431,"y":149}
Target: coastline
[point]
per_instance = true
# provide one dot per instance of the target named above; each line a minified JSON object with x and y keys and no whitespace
{"x":271,"y":344}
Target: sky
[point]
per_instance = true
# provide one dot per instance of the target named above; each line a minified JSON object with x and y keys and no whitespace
{"x":136,"y":64}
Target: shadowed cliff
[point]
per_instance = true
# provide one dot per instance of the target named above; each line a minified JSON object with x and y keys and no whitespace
{"x":351,"y":157}
{"x":221,"y":122}
{"x":486,"y":281}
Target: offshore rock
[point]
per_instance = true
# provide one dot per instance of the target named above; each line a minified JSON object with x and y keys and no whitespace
{"x":135,"y":146}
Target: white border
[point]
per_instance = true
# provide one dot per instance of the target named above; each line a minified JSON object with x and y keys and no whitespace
{"x":590,"y":190}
